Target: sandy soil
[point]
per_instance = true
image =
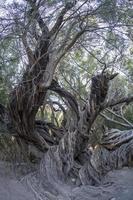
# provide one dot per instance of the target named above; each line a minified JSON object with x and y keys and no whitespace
{"x":117,"y":185}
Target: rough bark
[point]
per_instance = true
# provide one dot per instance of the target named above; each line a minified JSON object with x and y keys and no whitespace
{"x":60,"y":175}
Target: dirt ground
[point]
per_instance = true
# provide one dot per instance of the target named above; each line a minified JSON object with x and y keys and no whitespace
{"x":117,"y":185}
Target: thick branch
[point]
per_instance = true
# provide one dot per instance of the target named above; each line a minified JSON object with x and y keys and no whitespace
{"x":41,"y":52}
{"x":67,"y":95}
{"x":35,"y":12}
{"x":116,"y":138}
{"x":98,"y":94}
{"x":60,"y":18}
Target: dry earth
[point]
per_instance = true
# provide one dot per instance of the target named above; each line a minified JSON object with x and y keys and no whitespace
{"x":117,"y":185}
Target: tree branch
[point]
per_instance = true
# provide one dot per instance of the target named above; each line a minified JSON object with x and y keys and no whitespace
{"x":116,"y":138}
{"x":73,"y":41}
{"x":60,"y":18}
{"x":28,"y":50}
{"x":120,"y":117}
{"x":115,"y":121}
{"x":35,"y":11}
{"x":126,"y":100}
{"x":67,"y":95}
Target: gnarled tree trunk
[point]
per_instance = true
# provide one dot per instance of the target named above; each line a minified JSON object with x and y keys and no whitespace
{"x":68,"y":163}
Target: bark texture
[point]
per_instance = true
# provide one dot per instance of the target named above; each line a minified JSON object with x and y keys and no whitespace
{"x":61,"y":177}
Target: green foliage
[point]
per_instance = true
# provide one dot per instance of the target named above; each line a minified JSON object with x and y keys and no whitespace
{"x":8,"y":66}
{"x":129,"y":113}
{"x":75,"y":72}
{"x":108,"y":10}
{"x":115,"y":40}
{"x":129,"y":65}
